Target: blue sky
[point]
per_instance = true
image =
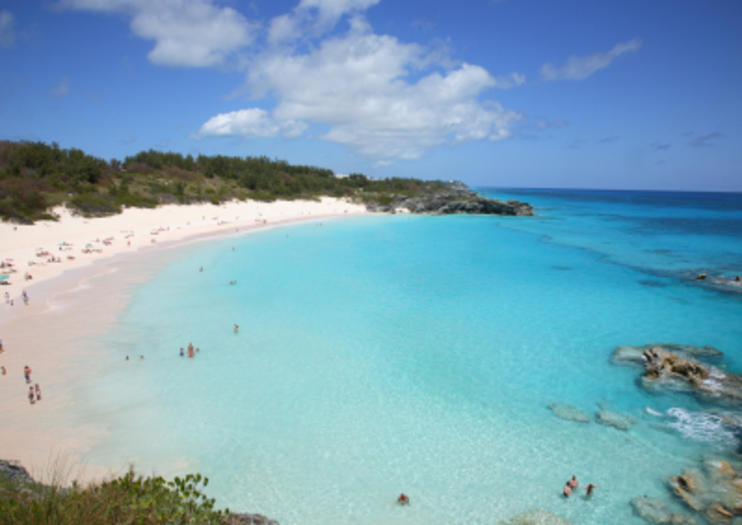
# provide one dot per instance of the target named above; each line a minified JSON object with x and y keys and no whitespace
{"x":518,"y":93}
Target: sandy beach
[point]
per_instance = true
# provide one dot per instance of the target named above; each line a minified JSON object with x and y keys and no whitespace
{"x":65,"y":267}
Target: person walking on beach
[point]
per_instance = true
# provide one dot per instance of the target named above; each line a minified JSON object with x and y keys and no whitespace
{"x":25,"y":297}
{"x":27,"y":373}
{"x":589,"y":490}
{"x":31,"y":396}
{"x":2,"y":369}
{"x":38,"y":392}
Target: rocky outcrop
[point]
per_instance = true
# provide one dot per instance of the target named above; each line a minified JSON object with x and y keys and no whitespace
{"x":249,"y":519}
{"x":535,"y":517}
{"x":568,"y":412}
{"x":455,"y":198}
{"x":720,"y":281}
{"x":680,"y":370}
{"x":715,"y":493}
{"x":634,"y":354}
{"x":13,"y":471}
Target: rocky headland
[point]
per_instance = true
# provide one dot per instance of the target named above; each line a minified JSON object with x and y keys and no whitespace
{"x":454,"y":198}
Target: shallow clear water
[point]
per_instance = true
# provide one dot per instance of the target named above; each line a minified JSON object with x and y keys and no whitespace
{"x":391,"y":354}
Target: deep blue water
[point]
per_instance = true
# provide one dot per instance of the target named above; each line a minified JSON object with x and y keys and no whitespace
{"x":417,"y":354}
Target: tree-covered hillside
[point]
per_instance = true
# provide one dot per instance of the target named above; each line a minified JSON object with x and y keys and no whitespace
{"x":35,"y":176}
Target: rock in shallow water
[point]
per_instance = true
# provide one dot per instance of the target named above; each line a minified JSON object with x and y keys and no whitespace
{"x":535,"y":517}
{"x":614,"y":419}
{"x":654,"y":510}
{"x":568,"y":412}
{"x":715,"y":493}
{"x":635,"y":354}
{"x":680,"y":371}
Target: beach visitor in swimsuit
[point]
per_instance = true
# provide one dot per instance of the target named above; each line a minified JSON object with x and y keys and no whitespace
{"x":567,"y":490}
{"x":573,"y":482}
{"x":589,"y":489}
{"x":27,"y":373}
{"x":31,"y":397}
{"x":38,"y":392}
{"x":403,"y":499}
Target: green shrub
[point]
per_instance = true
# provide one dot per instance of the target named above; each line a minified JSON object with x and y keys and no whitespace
{"x":94,"y":204}
{"x":129,"y":499}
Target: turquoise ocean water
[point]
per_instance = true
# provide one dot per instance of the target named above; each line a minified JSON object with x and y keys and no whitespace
{"x":417,"y":354}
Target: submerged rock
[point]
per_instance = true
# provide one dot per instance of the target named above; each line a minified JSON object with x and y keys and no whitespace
{"x":568,"y":412}
{"x":654,"y":510}
{"x":614,"y":419}
{"x":536,"y":517}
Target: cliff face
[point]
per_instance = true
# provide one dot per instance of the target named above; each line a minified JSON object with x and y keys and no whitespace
{"x":455,"y":199}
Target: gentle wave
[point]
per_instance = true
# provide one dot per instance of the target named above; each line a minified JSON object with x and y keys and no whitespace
{"x":703,"y":426}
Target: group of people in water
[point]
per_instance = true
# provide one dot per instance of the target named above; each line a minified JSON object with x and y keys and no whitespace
{"x":572,"y":485}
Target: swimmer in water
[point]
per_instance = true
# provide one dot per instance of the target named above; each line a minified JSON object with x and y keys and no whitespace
{"x":589,"y":489}
{"x":403,"y":499}
{"x":573,"y":482}
{"x":567,"y":490}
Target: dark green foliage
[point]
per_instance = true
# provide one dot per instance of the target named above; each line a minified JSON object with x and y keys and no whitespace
{"x":129,"y":499}
{"x":35,"y":176}
{"x":94,"y":204}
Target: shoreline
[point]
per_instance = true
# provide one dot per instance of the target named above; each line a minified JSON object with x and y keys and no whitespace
{"x":79,"y":302}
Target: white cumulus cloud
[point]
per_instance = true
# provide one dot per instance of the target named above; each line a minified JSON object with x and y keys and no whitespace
{"x":370,"y":94}
{"x":578,"y":68}
{"x":313,"y":18}
{"x":190,"y":33}
{"x":253,"y":122}
{"x":7,"y":36}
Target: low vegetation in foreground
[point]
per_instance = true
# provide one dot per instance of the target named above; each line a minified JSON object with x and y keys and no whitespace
{"x":128,"y":499}
{"x":34,"y":177}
